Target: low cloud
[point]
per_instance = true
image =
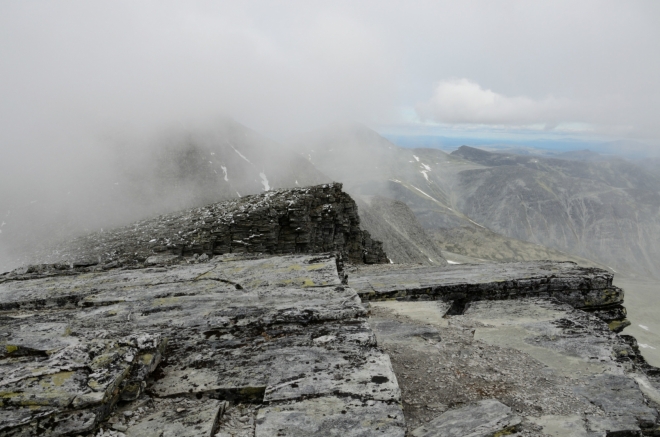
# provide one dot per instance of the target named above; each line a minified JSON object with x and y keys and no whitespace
{"x":464,"y":101}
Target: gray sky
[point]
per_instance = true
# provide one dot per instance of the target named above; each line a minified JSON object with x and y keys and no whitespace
{"x":74,"y":71}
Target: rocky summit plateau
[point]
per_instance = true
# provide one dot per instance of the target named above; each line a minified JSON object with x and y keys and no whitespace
{"x":277,"y":315}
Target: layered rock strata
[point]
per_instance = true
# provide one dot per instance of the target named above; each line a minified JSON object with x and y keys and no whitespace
{"x":589,"y":289}
{"x":316,"y":219}
{"x":174,"y":346}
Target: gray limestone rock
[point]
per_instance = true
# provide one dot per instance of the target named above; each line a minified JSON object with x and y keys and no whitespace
{"x":618,"y":426}
{"x":619,"y":396}
{"x":561,"y":368}
{"x":487,"y":418}
{"x":166,"y":329}
{"x":186,"y":419}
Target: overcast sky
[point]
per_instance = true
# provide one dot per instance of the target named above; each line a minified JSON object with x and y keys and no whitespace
{"x":71,"y":70}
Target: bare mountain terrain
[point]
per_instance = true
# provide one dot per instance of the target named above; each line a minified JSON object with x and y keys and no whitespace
{"x":173,"y":171}
{"x":179,"y":170}
{"x":430,"y":183}
{"x":606,"y":210}
{"x":404,"y":239}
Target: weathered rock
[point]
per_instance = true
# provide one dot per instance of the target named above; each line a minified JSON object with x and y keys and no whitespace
{"x":158,"y":333}
{"x":274,"y":329}
{"x":580,"y":287}
{"x":619,"y":396}
{"x":187,"y":418}
{"x":545,"y":359}
{"x":315,"y":219}
{"x":619,"y":426}
{"x":487,"y":418}
{"x":162,"y":259}
{"x":331,"y":416}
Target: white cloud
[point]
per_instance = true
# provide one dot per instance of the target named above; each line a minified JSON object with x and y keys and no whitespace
{"x":464,"y":101}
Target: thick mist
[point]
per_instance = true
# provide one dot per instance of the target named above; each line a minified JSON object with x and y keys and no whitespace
{"x":110,"y":112}
{"x":130,"y":177}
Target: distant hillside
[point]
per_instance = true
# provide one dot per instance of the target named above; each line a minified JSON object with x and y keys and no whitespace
{"x":481,"y":244}
{"x":393,"y":223}
{"x":606,"y":209}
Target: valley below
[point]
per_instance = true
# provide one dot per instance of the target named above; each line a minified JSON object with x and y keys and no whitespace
{"x":643,"y":304}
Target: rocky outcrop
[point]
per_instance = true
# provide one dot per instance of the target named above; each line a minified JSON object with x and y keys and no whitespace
{"x":586,"y":288}
{"x":174,"y":347}
{"x":169,"y":328}
{"x":316,"y":219}
{"x":561,"y":370}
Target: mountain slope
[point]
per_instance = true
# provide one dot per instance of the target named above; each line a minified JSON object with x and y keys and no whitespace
{"x":393,"y":223}
{"x":606,"y":210}
{"x":175,"y":170}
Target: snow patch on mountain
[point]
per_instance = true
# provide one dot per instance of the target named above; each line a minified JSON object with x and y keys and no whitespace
{"x":264,"y":181}
{"x":430,"y":197}
{"x":239,"y":153}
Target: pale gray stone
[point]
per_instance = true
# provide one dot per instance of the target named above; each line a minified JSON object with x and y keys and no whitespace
{"x":331,"y":417}
{"x":486,"y":418}
{"x":197,"y":421}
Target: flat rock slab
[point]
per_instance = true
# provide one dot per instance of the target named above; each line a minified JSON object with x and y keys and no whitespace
{"x":578,"y":286}
{"x":186,"y":418}
{"x":227,"y":272}
{"x":274,"y":329}
{"x":561,"y":368}
{"x":619,"y":396}
{"x":331,"y":416}
{"x":487,"y":418}
{"x":625,"y":426}
{"x":566,"y":340}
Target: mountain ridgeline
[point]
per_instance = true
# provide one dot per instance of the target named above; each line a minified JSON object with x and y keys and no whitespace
{"x":505,"y":207}
{"x":606,"y":210}
{"x":424,"y":204}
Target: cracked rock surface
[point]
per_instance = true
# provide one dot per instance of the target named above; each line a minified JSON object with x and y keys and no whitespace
{"x":562,"y":370}
{"x":281,"y":331}
{"x":156,"y":330}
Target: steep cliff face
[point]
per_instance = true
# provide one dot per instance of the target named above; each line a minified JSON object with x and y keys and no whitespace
{"x":315,"y":219}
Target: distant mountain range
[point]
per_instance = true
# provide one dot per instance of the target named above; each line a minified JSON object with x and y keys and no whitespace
{"x":423,"y":203}
{"x":606,"y":209}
